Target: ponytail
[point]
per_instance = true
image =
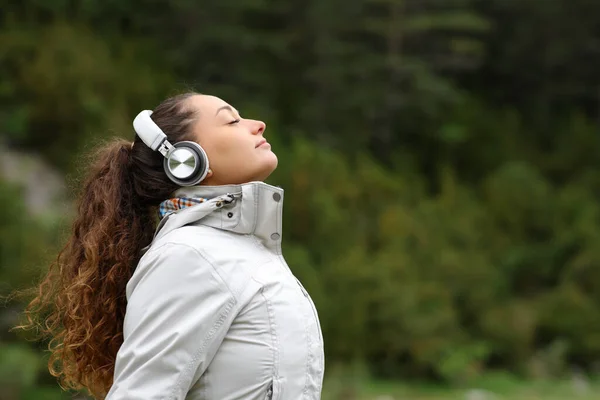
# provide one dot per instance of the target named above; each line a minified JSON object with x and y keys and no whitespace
{"x":80,"y":303}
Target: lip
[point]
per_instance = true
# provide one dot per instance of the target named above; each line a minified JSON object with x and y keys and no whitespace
{"x":262,"y":143}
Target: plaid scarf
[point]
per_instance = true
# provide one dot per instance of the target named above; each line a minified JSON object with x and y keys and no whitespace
{"x":177,"y":203}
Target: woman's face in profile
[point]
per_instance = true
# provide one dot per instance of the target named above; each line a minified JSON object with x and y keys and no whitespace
{"x":235,"y":146}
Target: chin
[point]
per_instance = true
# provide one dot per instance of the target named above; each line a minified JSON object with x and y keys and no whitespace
{"x":269,"y":165}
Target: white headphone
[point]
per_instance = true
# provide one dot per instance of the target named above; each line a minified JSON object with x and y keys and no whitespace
{"x":185,"y":163}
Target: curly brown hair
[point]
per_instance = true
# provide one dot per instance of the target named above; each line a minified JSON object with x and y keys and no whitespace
{"x":80,"y":303}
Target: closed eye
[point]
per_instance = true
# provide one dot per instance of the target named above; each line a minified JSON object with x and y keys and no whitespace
{"x":233,"y":122}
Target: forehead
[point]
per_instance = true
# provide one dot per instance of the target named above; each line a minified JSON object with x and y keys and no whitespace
{"x":207,"y":105}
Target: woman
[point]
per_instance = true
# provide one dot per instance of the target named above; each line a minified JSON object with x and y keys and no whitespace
{"x":202,"y":306}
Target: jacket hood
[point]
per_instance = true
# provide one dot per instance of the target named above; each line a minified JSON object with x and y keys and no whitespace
{"x":251,"y":208}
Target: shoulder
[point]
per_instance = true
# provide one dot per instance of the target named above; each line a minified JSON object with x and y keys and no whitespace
{"x":172,"y":265}
{"x":230,"y":256}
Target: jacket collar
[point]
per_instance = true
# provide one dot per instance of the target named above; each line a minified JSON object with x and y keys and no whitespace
{"x":252,"y":208}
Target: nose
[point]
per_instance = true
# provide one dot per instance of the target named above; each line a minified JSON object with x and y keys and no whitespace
{"x":258,"y":127}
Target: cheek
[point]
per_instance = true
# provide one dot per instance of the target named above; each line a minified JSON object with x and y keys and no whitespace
{"x":219,"y":147}
{"x":228,"y":152}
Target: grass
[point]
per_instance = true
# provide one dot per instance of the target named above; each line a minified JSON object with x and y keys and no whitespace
{"x":497,"y":386}
{"x":492,"y":387}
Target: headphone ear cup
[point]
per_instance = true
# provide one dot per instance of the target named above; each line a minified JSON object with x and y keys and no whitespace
{"x":187,"y":164}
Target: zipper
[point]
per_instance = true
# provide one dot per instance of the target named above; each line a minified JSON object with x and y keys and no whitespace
{"x":270,"y":392}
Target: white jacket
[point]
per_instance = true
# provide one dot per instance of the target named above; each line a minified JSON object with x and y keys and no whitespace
{"x":214,"y":312}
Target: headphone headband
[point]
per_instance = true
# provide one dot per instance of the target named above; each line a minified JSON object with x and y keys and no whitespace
{"x":148,"y":131}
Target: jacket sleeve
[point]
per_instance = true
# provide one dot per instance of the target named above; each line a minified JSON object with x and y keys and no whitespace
{"x":178,"y":312}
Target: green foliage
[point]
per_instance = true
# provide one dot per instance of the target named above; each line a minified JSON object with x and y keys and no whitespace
{"x":446,"y":282}
{"x":69,"y":87}
{"x":25,"y":242}
{"x":19,"y":367}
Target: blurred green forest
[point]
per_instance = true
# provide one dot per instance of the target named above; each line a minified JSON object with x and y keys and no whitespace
{"x":441,"y":161}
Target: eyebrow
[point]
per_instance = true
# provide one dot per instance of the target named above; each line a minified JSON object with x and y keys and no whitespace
{"x":225,"y":108}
